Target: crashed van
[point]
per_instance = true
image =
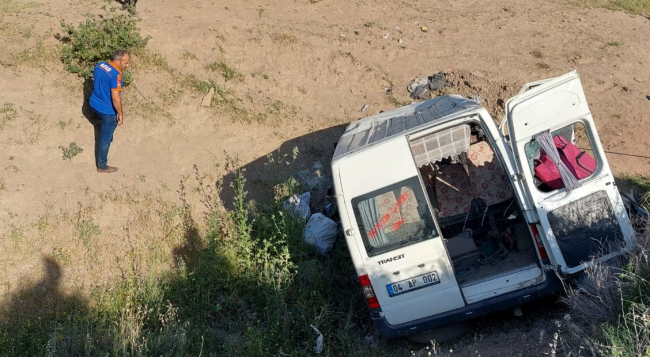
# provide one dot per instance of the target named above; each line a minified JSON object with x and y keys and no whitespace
{"x":448,"y":217}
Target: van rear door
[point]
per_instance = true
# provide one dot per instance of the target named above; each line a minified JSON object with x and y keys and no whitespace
{"x":584,"y":224}
{"x":398,"y":241}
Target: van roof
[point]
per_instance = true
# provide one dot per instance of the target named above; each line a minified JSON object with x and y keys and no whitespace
{"x":380,"y":127}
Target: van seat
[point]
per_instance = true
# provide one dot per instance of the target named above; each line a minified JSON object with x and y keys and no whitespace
{"x":453,"y":190}
{"x":409,"y":209}
{"x":487,"y":177}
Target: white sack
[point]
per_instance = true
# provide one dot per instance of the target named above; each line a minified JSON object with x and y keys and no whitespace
{"x":320,"y":232}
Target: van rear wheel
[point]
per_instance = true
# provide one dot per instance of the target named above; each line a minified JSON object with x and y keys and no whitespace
{"x":442,"y":334}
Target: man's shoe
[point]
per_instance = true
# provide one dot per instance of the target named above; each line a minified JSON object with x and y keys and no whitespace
{"x":107,"y":170}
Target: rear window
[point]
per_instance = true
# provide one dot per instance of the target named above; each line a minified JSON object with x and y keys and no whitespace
{"x":394,"y":217}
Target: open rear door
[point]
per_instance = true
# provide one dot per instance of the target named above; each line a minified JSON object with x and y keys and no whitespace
{"x":587,"y":223}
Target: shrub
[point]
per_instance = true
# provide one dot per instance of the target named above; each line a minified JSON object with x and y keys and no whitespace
{"x":96,"y":39}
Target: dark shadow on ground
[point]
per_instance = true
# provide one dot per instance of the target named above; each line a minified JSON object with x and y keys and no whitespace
{"x":185,"y":254}
{"x":37,"y":304}
{"x":89,"y":113}
{"x":311,"y":167}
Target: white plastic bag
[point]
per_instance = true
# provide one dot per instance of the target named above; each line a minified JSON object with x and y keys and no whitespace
{"x":319,"y":340}
{"x":300,"y":204}
{"x":320,"y":232}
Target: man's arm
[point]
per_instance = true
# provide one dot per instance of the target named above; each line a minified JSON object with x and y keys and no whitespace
{"x":117,"y":103}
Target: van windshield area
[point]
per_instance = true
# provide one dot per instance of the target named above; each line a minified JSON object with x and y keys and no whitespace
{"x":394,"y":217}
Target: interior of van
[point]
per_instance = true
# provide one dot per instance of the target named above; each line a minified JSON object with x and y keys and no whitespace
{"x":486,"y":235}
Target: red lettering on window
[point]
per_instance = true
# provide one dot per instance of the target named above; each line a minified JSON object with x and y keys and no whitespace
{"x":398,"y":224}
{"x":385,"y":218}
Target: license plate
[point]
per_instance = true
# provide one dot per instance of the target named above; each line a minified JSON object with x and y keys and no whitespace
{"x":414,"y":283}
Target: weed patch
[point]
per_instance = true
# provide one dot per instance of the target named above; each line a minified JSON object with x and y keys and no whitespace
{"x":244,"y":286}
{"x":11,"y":6}
{"x":71,"y":151}
{"x":228,"y":72}
{"x":147,"y":58}
{"x":7,"y":113}
{"x":194,"y":83}
{"x":87,"y":229}
{"x":637,"y":7}
{"x":284,"y":39}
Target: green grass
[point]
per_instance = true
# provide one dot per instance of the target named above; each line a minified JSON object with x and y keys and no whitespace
{"x":613,"y":313}
{"x":11,"y":6}
{"x":71,"y":151}
{"x":247,"y":286}
{"x":640,"y":182}
{"x":228,"y":72}
{"x":194,"y":83}
{"x":145,"y":58}
{"x":637,"y":7}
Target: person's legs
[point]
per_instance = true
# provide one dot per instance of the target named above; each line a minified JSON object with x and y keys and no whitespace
{"x":106,"y":130}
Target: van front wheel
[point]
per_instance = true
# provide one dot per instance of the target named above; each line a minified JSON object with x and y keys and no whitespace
{"x":442,"y":334}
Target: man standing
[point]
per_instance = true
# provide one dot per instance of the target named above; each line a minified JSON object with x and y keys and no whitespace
{"x":106,"y":101}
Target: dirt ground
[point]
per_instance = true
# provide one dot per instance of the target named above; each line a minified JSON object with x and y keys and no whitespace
{"x":308,"y":69}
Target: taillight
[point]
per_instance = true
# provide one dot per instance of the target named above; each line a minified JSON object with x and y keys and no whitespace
{"x":538,"y":242}
{"x":368,"y":292}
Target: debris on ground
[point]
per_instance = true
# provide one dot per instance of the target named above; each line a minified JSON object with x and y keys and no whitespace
{"x":364,"y":108}
{"x":207,"y":100}
{"x":319,"y":340}
{"x":299,"y":204}
{"x":320,"y":233}
{"x":419,"y":87}
{"x":315,"y":178}
{"x":439,"y":81}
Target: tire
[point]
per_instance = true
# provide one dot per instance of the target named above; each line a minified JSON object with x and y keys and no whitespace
{"x":442,"y":334}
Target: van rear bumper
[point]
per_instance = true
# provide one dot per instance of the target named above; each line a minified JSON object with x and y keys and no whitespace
{"x":551,"y":285}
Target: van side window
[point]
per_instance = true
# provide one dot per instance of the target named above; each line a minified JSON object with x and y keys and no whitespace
{"x":393,"y":217}
{"x":575,"y":151}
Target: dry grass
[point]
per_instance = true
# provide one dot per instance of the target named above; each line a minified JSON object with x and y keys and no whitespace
{"x":609,"y":315}
{"x":12,"y":7}
{"x":94,"y":251}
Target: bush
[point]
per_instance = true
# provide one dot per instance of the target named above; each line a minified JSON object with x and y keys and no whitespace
{"x":96,"y":39}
